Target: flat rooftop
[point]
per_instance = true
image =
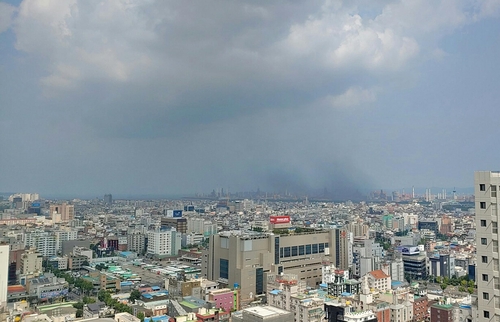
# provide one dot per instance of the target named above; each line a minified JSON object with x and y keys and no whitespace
{"x":265,"y":311}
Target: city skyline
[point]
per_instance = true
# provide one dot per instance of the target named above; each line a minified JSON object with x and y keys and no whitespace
{"x":166,"y":98}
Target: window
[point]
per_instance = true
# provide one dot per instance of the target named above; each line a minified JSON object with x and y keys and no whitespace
{"x":485,"y":277}
{"x":484,"y":241}
{"x":486,"y":314}
{"x":224,"y":268}
{"x":482,"y":205}
{"x":483,"y":223}
{"x":482,"y":187}
{"x":484,"y":259}
{"x":486,"y":296}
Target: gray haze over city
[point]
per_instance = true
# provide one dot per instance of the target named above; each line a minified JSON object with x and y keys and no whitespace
{"x":167,"y":97}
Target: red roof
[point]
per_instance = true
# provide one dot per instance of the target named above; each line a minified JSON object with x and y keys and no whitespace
{"x":378,"y":274}
{"x":16,"y":289}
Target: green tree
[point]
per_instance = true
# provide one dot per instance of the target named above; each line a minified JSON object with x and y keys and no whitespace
{"x":134,"y":295}
{"x":104,"y":296}
{"x":86,"y":286}
{"x":79,"y":313}
{"x":78,"y":306}
{"x":470,"y":290}
{"x":141,"y":316}
{"x":443,"y":286}
{"x":88,"y":300}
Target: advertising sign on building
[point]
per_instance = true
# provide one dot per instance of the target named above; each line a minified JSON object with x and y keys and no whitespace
{"x":279,"y":219}
{"x":410,"y":250}
{"x":177,"y":213}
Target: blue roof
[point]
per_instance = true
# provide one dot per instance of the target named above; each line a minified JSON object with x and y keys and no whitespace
{"x":155,"y":288}
{"x":346,"y":294}
{"x":394,"y":283}
{"x":148,"y":296}
{"x":275,"y":292}
{"x":161,"y":318}
{"x":126,"y":283}
{"x":323,"y":285}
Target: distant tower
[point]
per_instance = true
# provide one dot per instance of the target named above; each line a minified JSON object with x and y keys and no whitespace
{"x":108,"y":199}
{"x":413,"y":192}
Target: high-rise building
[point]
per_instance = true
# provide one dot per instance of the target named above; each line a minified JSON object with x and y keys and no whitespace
{"x":4,"y":273}
{"x":164,"y":242}
{"x":108,"y":199}
{"x":245,"y":259}
{"x":66,"y":211}
{"x":31,"y":264}
{"x":180,"y":224}
{"x":136,"y":242}
{"x":486,"y":186}
{"x":43,"y":241}
{"x":64,"y":235}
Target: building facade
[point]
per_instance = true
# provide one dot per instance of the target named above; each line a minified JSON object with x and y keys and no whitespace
{"x":66,"y":211}
{"x":4,"y":273}
{"x":246,"y":259}
{"x":164,"y":242}
{"x":486,"y":186}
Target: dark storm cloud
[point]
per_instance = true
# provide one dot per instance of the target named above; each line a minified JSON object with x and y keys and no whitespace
{"x":155,"y":96}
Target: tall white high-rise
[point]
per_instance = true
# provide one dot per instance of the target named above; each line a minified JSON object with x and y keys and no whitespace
{"x":164,"y":242}
{"x":4,"y":273}
{"x":486,"y":186}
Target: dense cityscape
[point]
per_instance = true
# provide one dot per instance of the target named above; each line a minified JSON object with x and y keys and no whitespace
{"x":249,"y":161}
{"x":276,"y":257}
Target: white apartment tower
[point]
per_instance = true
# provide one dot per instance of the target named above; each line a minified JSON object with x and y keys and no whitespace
{"x":486,"y":189}
{"x":164,"y":242}
{"x":4,"y":273}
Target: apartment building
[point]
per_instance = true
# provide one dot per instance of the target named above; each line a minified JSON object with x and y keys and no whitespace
{"x":486,"y":187}
{"x":164,"y":242}
{"x":66,"y":211}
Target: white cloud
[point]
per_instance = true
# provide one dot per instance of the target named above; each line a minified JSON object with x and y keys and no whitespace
{"x":354,"y":96}
{"x":171,"y":56}
{"x":6,"y":13}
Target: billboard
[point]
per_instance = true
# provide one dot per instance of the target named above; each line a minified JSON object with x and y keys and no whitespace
{"x":51,"y":294}
{"x":279,"y":219}
{"x":410,"y":250}
{"x":177,"y":213}
{"x":35,"y":205}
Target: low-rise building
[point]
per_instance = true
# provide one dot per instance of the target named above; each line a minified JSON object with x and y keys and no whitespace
{"x":442,"y":313}
{"x":262,"y":314}
{"x":47,"y":287}
{"x":378,"y":280}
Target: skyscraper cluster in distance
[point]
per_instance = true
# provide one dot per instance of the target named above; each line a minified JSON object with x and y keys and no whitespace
{"x":404,"y":256}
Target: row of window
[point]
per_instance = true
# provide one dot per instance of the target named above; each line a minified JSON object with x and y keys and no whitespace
{"x":302,"y":250}
{"x":494,"y":225}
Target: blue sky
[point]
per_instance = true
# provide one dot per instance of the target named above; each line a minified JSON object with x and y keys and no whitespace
{"x":138,"y":97}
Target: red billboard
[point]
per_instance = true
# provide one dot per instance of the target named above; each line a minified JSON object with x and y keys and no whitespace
{"x":279,"y":219}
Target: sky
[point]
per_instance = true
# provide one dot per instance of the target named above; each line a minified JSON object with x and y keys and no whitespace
{"x":169,"y":97}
